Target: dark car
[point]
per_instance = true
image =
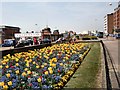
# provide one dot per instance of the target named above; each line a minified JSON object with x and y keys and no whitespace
{"x":45,"y":41}
{"x":8,"y":43}
{"x":23,"y":43}
{"x":117,"y":36}
{"x":100,"y":34}
{"x":59,"y":40}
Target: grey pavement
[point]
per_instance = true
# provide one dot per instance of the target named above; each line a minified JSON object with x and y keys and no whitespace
{"x":5,"y":48}
{"x":112,"y":46}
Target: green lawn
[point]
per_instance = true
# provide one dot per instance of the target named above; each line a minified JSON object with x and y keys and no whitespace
{"x":86,"y":74}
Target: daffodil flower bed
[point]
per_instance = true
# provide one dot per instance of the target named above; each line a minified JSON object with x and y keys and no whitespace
{"x":50,"y":67}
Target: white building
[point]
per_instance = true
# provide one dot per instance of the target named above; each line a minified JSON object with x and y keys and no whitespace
{"x":105,"y":25}
{"x":23,"y":35}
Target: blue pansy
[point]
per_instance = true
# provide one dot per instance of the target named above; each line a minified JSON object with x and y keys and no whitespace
{"x":3,"y":78}
{"x":57,"y":78}
{"x":14,"y":80}
{"x":14,"y":85}
{"x":43,"y":80}
{"x":44,"y":87}
{"x":12,"y":75}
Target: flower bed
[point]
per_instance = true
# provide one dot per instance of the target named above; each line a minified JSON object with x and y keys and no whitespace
{"x":49,"y":67}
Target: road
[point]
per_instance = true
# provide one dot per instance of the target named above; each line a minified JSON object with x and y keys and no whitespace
{"x":113,"y":47}
{"x":5,"y":48}
{"x":113,"y":59}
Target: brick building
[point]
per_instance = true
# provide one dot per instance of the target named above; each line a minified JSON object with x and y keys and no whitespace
{"x":7,"y":32}
{"x":56,"y":35}
{"x":116,"y":18}
{"x":108,"y":24}
{"x":46,"y":33}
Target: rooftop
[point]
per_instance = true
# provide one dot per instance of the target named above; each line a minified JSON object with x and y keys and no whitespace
{"x":4,"y":26}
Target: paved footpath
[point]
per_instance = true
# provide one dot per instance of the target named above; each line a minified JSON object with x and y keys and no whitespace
{"x":113,"y":47}
{"x":5,"y":48}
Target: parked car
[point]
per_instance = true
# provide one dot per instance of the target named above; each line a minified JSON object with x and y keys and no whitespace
{"x":117,"y":36}
{"x":59,"y":40}
{"x":100,"y":34}
{"x":23,"y":43}
{"x":45,"y":41}
{"x":8,"y":43}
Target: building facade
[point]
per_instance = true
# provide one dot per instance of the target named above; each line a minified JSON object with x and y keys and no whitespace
{"x":56,"y":35}
{"x":7,"y":32}
{"x":108,"y":24}
{"x":116,"y":19}
{"x":46,"y":33}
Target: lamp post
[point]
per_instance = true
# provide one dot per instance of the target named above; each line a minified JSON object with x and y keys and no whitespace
{"x":36,"y":27}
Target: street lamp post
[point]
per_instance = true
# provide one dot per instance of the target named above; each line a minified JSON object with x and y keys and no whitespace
{"x":36,"y":27}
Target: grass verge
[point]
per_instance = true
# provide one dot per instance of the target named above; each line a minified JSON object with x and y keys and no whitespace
{"x":86,"y":74}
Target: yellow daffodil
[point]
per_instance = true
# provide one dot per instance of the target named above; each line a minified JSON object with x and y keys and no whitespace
{"x":51,"y":71}
{"x":9,"y":83}
{"x":37,"y":66}
{"x":27,"y":64}
{"x":4,"y":57}
{"x":16,"y":59}
{"x":17,"y":72}
{"x":23,"y":74}
{"x":8,"y":75}
{"x":46,"y":72}
{"x":46,"y":57}
{"x":55,"y":60}
{"x":5,"y":87}
{"x":34,"y":62}
{"x":26,"y":69}
{"x":8,"y":55}
{"x":64,"y":79}
{"x":66,"y":58}
{"x":60,"y":83}
{"x":1,"y":83}
{"x":40,"y":56}
{"x":53,"y":65}
{"x":7,"y":66}
{"x":0,"y":66}
{"x":4,"y":63}
{"x":29,"y":72}
{"x":6,"y":60}
{"x":30,"y":60}
{"x":39,"y":80}
{"x":51,"y":60}
{"x":17,"y":64}
{"x":26,"y":60}
{"x":50,"y":68}
{"x":61,"y":64}
{"x":45,"y":64}
{"x":50,"y":53}
{"x":42,"y":66}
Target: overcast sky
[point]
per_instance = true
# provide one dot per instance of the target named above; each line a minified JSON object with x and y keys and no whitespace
{"x":65,"y":16}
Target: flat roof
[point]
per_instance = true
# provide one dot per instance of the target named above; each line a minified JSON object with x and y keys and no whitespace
{"x":5,"y":26}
